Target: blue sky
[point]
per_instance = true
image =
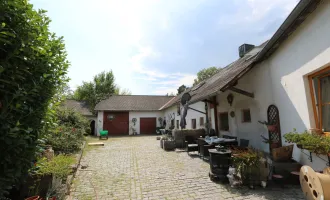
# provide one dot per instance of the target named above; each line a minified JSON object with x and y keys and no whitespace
{"x":153,"y":46}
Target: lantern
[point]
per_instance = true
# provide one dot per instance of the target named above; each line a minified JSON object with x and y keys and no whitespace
{"x":230,"y":99}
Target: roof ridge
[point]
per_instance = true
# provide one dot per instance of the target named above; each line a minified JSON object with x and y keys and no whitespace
{"x":141,"y":95}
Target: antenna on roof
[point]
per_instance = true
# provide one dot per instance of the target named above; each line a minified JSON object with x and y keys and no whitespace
{"x":184,"y":102}
{"x":185,"y":98}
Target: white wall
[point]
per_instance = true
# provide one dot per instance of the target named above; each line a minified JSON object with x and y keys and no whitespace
{"x":306,"y":51}
{"x":142,"y":114}
{"x":191,"y":114}
{"x":282,"y":80}
{"x":99,"y":122}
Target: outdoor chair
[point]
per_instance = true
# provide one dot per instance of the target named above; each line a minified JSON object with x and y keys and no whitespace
{"x":190,"y":144}
{"x":243,"y":143}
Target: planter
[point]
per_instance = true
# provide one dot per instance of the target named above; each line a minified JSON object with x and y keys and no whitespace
{"x":273,"y":146}
{"x":33,"y":198}
{"x":282,"y":153}
{"x":161,"y":143}
{"x":271,"y":128}
{"x":168,"y":145}
{"x":36,"y":185}
{"x":316,"y":131}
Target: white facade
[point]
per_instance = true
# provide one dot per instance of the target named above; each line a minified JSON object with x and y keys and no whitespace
{"x":282,"y":80}
{"x":99,"y":122}
{"x":167,"y":114}
{"x":171,"y":113}
{"x":142,"y":114}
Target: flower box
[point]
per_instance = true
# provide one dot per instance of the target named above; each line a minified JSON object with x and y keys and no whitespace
{"x":271,"y":128}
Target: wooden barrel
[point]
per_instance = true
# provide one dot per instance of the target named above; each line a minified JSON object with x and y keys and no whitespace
{"x":315,"y":186}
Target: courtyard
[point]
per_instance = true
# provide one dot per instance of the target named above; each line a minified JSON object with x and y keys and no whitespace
{"x":137,"y":168}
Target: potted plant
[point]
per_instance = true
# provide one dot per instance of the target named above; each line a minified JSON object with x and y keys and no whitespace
{"x":168,"y":143}
{"x":313,"y":142}
{"x":270,"y":126}
{"x":247,"y":164}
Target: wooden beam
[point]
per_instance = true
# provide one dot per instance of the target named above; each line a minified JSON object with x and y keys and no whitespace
{"x":243,"y":92}
{"x":216,"y":115}
{"x":208,"y":101}
{"x":196,"y":110}
{"x":311,"y":88}
{"x":207,"y":118}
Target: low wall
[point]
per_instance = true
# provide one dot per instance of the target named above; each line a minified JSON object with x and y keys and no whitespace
{"x":179,"y":135}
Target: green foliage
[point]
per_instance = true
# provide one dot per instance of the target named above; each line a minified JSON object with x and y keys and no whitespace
{"x":71,"y":118}
{"x":102,"y":86}
{"x":59,"y":166}
{"x":318,"y":144}
{"x":205,"y":74}
{"x":246,"y":162}
{"x":66,"y":139}
{"x":68,"y":136}
{"x":121,"y":91}
{"x":181,"y":89}
{"x":33,"y":67}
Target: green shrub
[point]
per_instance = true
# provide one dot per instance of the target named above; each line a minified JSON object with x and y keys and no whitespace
{"x":318,"y":144}
{"x":69,"y":117}
{"x":66,"y":139}
{"x":33,"y":68}
{"x":59,"y":166}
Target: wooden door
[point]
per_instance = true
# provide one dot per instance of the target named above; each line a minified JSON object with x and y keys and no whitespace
{"x":116,"y":123}
{"x":148,"y":125}
{"x":275,"y":137}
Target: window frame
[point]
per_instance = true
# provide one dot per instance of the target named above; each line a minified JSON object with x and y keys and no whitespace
{"x":317,"y":106}
{"x":193,"y":124}
{"x":243,"y":116}
{"x":220,"y":125}
{"x":201,"y":119}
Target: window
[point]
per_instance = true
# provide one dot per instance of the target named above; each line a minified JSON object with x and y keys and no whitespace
{"x":319,"y":84}
{"x":246,"y":115}
{"x":177,"y":124}
{"x":172,"y":123}
{"x":193,"y":123}
{"x":224,"y":121}
{"x":201,"y":121}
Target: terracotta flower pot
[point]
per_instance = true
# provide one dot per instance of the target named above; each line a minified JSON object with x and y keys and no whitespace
{"x":271,"y":128}
{"x":33,"y":198}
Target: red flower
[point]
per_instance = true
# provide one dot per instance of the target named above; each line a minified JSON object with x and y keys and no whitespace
{"x":73,"y":129}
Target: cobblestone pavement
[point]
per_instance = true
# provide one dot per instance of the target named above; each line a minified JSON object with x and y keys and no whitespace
{"x":137,"y":168}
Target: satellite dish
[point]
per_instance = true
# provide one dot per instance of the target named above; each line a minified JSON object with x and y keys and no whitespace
{"x":185,"y":98}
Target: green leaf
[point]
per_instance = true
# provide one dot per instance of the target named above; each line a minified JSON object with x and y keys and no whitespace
{"x":3,"y":24}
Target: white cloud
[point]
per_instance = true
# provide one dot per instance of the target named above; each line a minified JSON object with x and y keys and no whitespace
{"x":252,"y":11}
{"x":260,"y":8}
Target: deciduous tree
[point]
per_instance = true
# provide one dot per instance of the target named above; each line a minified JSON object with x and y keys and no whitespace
{"x":205,"y":74}
{"x":102,"y":86}
{"x":181,"y":89}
